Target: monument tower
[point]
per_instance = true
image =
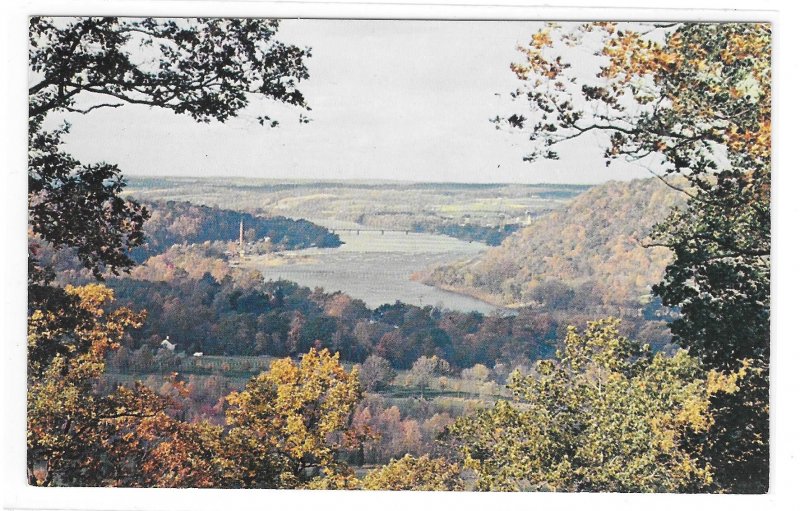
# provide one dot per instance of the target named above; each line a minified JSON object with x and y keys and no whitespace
{"x":241,"y":237}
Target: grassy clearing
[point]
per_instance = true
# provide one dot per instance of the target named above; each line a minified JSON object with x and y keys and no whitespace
{"x":489,"y":205}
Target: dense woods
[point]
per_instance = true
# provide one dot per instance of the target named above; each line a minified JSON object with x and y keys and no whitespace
{"x":236,"y":313}
{"x":311,"y":389}
{"x":204,"y":304}
{"x":605,"y":414}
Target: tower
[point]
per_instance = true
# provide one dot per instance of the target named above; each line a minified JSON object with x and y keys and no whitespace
{"x":241,"y":237}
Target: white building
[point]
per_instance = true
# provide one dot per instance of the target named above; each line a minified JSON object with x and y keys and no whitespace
{"x":168,"y":345}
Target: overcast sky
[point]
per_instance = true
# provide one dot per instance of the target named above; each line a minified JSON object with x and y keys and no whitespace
{"x":401,"y":100}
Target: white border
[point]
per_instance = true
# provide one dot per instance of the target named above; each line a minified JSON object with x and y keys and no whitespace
{"x":786,"y":208}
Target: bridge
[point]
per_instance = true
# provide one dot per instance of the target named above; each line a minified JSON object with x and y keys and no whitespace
{"x":358,"y":231}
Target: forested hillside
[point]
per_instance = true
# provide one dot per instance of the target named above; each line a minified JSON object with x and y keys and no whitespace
{"x":204,"y":304}
{"x":183,"y":222}
{"x":587,"y":254}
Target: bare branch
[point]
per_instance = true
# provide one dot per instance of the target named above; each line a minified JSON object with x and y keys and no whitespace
{"x":94,"y":107}
{"x":674,"y":187}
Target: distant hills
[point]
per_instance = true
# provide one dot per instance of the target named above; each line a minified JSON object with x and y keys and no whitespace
{"x":586,"y":255}
{"x":468,"y":211}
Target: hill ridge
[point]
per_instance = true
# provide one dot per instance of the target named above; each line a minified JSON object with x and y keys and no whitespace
{"x":587,"y":253}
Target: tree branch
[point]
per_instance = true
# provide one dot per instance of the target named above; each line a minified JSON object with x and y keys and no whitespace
{"x":670,"y":185}
{"x":87,"y":110}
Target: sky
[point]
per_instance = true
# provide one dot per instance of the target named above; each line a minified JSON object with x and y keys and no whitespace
{"x":398,"y":100}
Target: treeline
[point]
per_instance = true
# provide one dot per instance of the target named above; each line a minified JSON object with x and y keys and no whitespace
{"x":174,"y":222}
{"x":589,"y":255}
{"x":492,"y":236}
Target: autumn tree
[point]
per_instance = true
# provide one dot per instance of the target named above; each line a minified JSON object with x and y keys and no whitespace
{"x":178,"y":454}
{"x":693,"y":100}
{"x":375,"y":373}
{"x":71,"y":428}
{"x":425,"y":369}
{"x":410,"y":473}
{"x":283,"y":425}
{"x":478,"y":372}
{"x":604,"y":415}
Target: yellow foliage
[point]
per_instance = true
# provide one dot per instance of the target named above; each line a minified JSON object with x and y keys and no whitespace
{"x":287,"y":419}
{"x":606,"y":415}
{"x":410,"y":473}
{"x":67,"y":422}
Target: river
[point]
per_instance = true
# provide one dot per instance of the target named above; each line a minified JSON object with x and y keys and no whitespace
{"x":376,"y":267}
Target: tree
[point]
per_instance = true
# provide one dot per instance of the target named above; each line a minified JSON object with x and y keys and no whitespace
{"x":71,"y":429}
{"x":206,"y":68}
{"x":703,"y":90}
{"x":424,"y":369}
{"x":696,"y":100}
{"x":180,"y":454}
{"x":410,"y":473}
{"x":282,"y":426}
{"x":605,"y":415}
{"x":375,"y":373}
{"x":478,"y":372}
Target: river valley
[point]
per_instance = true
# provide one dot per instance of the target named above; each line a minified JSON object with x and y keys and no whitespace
{"x":376,"y":266}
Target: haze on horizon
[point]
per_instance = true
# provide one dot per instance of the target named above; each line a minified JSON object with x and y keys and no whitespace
{"x":348,"y":181}
{"x":391,"y":100}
